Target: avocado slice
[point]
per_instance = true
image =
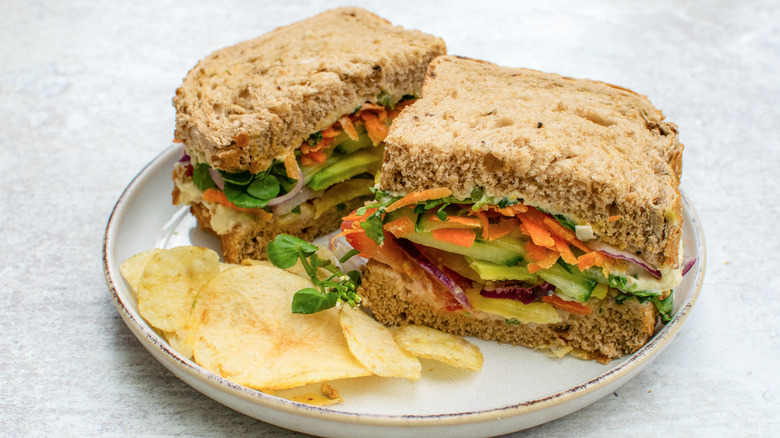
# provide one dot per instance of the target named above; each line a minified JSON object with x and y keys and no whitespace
{"x":344,"y":169}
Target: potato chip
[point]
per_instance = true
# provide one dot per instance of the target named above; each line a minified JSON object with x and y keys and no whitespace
{"x":434,"y":344}
{"x":243,"y":329}
{"x":133,"y":268}
{"x":170,"y":282}
{"x":373,"y":346}
{"x":179,"y":342}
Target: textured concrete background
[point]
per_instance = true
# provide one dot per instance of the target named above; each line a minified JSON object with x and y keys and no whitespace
{"x":85,"y":91}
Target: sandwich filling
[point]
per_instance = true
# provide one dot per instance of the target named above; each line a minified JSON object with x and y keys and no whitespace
{"x":330,"y":168}
{"x":502,"y":257}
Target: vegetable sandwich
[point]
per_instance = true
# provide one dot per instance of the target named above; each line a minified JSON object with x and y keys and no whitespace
{"x":527,"y":208}
{"x":284,"y":133}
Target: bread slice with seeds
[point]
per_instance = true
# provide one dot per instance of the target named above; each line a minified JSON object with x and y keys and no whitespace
{"x":596,"y":153}
{"x":282,"y":98}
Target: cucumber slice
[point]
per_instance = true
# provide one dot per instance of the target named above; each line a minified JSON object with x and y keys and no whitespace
{"x":346,"y":145}
{"x":572,"y":285}
{"x":490,"y":251}
{"x":497,"y":272}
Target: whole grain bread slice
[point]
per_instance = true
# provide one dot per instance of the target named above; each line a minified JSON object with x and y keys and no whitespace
{"x":611,"y":330}
{"x":596,"y":153}
{"x":245,"y":105}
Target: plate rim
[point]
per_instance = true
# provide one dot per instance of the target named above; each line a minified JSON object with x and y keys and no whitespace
{"x":159,"y":348}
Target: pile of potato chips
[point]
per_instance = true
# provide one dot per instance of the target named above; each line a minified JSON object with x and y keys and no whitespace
{"x":235,"y":320}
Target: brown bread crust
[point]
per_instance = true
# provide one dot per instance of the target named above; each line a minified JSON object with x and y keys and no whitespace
{"x":582,"y":148}
{"x":245,"y":105}
{"x":610,"y":331}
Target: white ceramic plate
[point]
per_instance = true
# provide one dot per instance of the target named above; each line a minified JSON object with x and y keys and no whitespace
{"x":516,"y":389}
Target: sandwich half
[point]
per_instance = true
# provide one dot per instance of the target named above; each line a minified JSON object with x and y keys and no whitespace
{"x":527,"y":208}
{"x":284,"y":133}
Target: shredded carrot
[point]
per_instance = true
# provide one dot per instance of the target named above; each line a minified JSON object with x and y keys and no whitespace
{"x":546,"y":263}
{"x":520,"y":208}
{"x":615,"y":218}
{"x":178,"y":140}
{"x":502,"y":228}
{"x":457,"y":236}
{"x":470,"y":222}
{"x":508,"y":211}
{"x":558,"y":229}
{"x":483,"y":221}
{"x":330,"y":132}
{"x":413,"y":198}
{"x":218,"y":197}
{"x":291,"y":166}
{"x":569,"y":306}
{"x":346,"y":124}
{"x":564,"y":250}
{"x":393,"y":113}
{"x":537,"y":232}
{"x":593,"y":258}
{"x":313,"y":158}
{"x":368,"y":106}
{"x":400,"y":227}
{"x":535,"y":252}
{"x":377,"y":130}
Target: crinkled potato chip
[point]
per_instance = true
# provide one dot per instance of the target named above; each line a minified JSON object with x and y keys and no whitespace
{"x":373,"y":346}
{"x":242,"y":328}
{"x":434,"y":344}
{"x":170,"y":282}
{"x":133,"y":268}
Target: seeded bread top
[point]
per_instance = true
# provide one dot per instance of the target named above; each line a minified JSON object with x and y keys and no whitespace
{"x":585,"y":149}
{"x":243,"y":106}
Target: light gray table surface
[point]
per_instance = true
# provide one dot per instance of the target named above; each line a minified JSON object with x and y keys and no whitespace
{"x":85,"y":103}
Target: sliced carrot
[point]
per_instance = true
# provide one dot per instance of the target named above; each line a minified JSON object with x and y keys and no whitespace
{"x":377,"y":130}
{"x":538,"y":233}
{"x":615,"y":218}
{"x":348,"y":127}
{"x":400,"y":227}
{"x":290,"y":166}
{"x":218,"y":197}
{"x":413,"y":198}
{"x":502,"y":228}
{"x":593,"y":258}
{"x":457,"y":236}
{"x":569,"y":306}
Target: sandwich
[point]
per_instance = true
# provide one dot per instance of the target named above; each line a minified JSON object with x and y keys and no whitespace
{"x":284,"y":133}
{"x":527,"y":208}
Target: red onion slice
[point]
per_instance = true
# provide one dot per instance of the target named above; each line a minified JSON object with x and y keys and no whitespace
{"x":516,"y":291}
{"x":217,"y":178}
{"x":302,"y":196}
{"x":450,"y":279}
{"x":620,"y":254}
{"x":688,"y":263}
{"x":298,"y":186}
